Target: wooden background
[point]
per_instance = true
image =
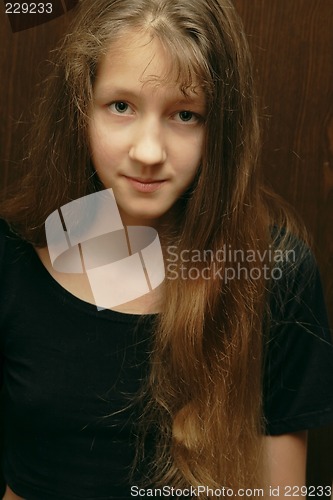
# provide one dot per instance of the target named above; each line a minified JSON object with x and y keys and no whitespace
{"x":292,"y":46}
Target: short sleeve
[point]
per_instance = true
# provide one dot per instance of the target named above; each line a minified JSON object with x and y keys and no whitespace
{"x":298,"y":374}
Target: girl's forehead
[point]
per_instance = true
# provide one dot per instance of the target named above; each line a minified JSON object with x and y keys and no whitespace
{"x":140,"y":57}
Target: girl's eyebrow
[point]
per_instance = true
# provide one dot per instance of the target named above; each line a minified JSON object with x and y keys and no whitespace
{"x":106,"y":91}
{"x":195,"y":99}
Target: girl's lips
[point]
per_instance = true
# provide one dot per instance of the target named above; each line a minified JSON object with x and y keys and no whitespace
{"x":145,"y":185}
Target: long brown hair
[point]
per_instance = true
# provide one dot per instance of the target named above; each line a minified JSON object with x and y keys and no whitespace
{"x":205,"y":384}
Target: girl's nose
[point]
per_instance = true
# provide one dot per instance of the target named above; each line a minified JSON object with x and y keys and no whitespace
{"x":147,"y":145}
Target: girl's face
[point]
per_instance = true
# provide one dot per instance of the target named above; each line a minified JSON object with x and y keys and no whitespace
{"x":145,"y":136}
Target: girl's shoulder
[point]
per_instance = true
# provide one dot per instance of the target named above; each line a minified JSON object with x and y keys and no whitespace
{"x":4,"y":234}
{"x":296,"y":290}
{"x":4,"y":228}
{"x":296,"y":277}
{"x":299,"y":350}
{"x":11,"y":244}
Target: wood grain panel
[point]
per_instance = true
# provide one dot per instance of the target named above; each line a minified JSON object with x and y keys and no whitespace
{"x":292,"y":46}
{"x":22,"y":67}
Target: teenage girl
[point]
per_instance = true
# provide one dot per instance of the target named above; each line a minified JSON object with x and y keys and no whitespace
{"x":207,"y":380}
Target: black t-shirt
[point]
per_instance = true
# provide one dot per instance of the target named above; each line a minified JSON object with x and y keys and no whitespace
{"x":70,"y":373}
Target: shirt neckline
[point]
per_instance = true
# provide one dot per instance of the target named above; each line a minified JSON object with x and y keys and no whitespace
{"x":77,"y":302}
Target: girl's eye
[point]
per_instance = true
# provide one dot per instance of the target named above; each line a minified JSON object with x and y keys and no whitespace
{"x":120,"y":107}
{"x":187,"y":116}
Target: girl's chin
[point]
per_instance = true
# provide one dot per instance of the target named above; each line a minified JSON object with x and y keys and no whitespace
{"x":144,"y":217}
{"x":141,"y":219}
